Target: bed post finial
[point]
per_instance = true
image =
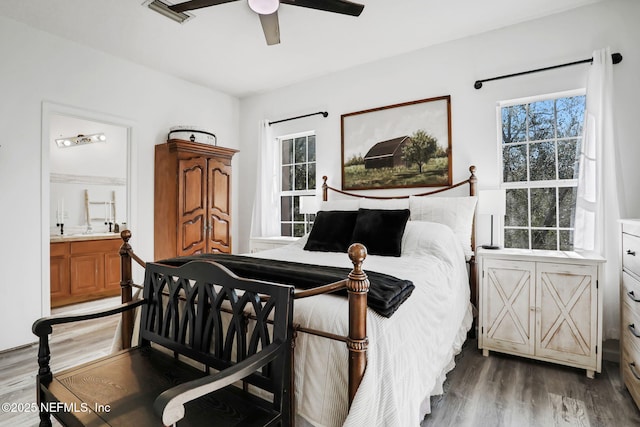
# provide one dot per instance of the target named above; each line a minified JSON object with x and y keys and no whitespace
{"x":325,"y":188}
{"x":473,"y":181}
{"x":357,"y":341}
{"x":126,"y":280}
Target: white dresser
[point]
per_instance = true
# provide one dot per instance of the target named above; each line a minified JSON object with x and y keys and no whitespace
{"x":545,"y":305}
{"x":630,"y":307}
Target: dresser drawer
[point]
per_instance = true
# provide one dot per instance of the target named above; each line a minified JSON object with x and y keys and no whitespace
{"x":631,"y":253}
{"x":631,"y":292}
{"x":631,"y":227}
{"x":631,"y":372}
{"x":631,"y":330}
{"x":630,"y":305}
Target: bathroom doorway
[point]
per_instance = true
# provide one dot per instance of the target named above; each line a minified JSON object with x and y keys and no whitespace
{"x":86,"y":190}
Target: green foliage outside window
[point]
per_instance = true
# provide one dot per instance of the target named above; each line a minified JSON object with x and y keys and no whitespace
{"x":540,"y":150}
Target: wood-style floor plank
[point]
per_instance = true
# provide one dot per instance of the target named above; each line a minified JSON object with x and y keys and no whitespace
{"x":503,"y":390}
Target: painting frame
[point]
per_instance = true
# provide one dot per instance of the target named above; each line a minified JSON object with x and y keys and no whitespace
{"x":407,"y":145}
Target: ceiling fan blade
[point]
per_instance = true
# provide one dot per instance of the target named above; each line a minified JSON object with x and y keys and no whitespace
{"x":271,"y":28}
{"x":337,"y":6}
{"x":196,"y":4}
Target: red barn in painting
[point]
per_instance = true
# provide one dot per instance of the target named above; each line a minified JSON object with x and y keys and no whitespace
{"x":386,"y":154}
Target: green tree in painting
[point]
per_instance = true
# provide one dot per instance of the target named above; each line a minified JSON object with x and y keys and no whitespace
{"x":420,"y":149}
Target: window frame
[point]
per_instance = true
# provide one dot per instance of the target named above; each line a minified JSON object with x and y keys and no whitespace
{"x":528,"y":184}
{"x":308,"y":218}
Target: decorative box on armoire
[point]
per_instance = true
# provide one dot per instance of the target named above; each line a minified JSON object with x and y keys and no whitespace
{"x":192,"y":211}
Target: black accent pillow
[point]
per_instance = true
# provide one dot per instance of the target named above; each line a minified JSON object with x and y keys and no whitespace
{"x":381,"y":230}
{"x":331,"y":231}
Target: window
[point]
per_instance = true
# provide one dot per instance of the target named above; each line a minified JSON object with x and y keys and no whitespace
{"x":297,"y":178}
{"x":539,"y":148}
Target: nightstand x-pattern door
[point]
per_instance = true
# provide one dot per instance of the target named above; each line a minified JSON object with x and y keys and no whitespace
{"x":544,"y":309}
{"x":509,"y":296}
{"x":566,"y":326}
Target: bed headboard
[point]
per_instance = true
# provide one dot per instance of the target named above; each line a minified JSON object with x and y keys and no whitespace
{"x":472,"y":181}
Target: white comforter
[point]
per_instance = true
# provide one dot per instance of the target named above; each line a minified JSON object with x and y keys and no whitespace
{"x":409,"y":353}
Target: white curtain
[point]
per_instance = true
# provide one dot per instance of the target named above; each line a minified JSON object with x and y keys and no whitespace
{"x":598,"y":207}
{"x":265,"y":220}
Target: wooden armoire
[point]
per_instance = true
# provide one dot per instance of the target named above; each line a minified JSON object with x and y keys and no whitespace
{"x":192,"y":211}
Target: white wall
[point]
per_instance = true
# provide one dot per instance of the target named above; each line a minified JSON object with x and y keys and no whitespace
{"x":451,"y":69}
{"x":37,"y":67}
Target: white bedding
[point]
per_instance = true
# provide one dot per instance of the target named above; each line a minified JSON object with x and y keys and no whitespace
{"x":409,"y":353}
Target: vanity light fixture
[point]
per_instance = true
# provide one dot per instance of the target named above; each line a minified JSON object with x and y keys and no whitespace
{"x":163,"y":9}
{"x":80,"y":140}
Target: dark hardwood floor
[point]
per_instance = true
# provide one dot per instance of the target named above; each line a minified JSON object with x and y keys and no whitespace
{"x":502,"y":390}
{"x":492,"y":391}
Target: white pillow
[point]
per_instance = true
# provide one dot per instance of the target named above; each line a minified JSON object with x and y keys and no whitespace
{"x":455,"y":212}
{"x":422,"y":237}
{"x":384,"y":203}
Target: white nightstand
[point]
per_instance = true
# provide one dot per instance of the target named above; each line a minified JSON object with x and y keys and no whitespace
{"x":257,"y":244}
{"x":545,"y":305}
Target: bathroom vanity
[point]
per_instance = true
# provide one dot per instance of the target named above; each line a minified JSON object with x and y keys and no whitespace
{"x":84,"y":267}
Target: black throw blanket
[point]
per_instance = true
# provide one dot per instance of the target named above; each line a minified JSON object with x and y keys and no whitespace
{"x":386,"y":293}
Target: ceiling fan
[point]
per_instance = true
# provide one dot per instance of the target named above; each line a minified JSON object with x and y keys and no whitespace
{"x":268,"y":11}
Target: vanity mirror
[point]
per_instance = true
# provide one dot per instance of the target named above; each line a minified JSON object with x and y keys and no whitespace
{"x":88,"y":176}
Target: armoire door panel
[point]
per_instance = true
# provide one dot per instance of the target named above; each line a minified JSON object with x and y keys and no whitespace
{"x":192,"y":236}
{"x":219,"y":182}
{"x":219,"y":211}
{"x":192,"y":186}
{"x":192,"y":200}
{"x":220,"y":231}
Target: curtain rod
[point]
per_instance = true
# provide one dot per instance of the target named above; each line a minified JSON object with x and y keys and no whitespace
{"x":324,"y":114}
{"x":616,"y":57}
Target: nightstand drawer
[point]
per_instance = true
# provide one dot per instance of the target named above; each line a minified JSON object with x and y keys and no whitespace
{"x":631,"y":253}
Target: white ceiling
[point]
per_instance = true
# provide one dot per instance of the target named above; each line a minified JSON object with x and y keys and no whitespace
{"x":223,"y":46}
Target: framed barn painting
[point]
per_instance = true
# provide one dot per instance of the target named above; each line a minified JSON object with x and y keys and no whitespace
{"x":401,"y":145}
